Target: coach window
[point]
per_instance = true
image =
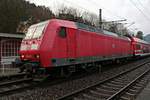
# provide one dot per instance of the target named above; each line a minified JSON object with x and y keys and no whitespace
{"x":62,"y":32}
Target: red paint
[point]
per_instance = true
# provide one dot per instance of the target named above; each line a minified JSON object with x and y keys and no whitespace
{"x":78,"y":43}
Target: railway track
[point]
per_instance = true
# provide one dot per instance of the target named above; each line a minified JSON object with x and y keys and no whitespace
{"x":54,"y":83}
{"x":124,"y":86}
{"x":5,"y":78}
{"x":16,"y":85}
{"x":10,"y":84}
{"x":18,"y":82}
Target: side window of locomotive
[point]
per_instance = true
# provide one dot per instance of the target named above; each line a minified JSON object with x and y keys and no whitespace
{"x":62,"y":32}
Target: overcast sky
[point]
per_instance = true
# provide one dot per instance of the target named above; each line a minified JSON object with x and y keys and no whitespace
{"x":137,"y":11}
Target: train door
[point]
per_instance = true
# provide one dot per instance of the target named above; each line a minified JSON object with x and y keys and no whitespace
{"x":71,"y":43}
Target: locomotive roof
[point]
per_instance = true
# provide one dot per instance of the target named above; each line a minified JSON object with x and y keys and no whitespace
{"x":83,"y":26}
{"x":77,"y":25}
{"x":64,"y":23}
{"x":98,"y":30}
{"x":94,"y":29}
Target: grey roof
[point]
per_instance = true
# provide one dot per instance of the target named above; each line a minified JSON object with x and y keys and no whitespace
{"x":13,"y":35}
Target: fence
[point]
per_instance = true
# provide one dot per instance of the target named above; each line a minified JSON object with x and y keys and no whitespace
{"x":6,"y":65}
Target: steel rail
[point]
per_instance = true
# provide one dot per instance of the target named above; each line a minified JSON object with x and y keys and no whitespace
{"x":20,"y":82}
{"x":70,"y":95}
{"x":125,"y":88}
{"x":14,"y":82}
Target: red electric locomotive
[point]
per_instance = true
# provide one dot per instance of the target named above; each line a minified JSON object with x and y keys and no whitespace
{"x":67,"y":46}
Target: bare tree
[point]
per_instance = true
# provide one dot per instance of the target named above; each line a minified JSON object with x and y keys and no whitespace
{"x":73,"y":14}
{"x":91,"y":18}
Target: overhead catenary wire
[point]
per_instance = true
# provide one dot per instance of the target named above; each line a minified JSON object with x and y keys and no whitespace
{"x":134,"y":4}
{"x":108,"y":10}
{"x":98,"y":5}
{"x":143,"y":6}
{"x":85,"y":9}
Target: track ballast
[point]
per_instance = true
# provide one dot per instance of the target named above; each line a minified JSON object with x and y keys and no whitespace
{"x":115,"y":87}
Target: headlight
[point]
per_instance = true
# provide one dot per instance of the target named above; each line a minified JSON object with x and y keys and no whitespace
{"x":22,"y":56}
{"x":37,"y":56}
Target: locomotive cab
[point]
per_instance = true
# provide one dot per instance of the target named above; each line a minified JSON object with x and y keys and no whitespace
{"x":31,"y":43}
{"x":48,"y":44}
{"x":30,"y":46}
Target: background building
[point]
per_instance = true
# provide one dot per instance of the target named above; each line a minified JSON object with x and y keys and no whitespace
{"x":9,"y":47}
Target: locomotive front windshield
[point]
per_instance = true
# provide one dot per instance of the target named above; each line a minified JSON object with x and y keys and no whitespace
{"x":35,"y":31}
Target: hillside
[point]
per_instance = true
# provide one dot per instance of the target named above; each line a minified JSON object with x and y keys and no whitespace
{"x":147,"y":38}
{"x":12,"y":12}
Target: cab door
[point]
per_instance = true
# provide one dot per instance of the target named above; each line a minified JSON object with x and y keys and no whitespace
{"x":71,"y":43}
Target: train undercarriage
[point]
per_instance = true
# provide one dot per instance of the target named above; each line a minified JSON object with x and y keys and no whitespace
{"x":65,"y":71}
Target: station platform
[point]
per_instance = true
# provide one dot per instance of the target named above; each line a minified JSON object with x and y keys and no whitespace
{"x":8,"y":71}
{"x":145,"y":93}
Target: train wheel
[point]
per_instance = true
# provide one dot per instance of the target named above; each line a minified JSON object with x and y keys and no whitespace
{"x":95,"y":67}
{"x":90,"y":68}
{"x":26,"y":68}
{"x":98,"y":68}
{"x":21,"y":68}
{"x":67,"y":71}
{"x":118,"y":61}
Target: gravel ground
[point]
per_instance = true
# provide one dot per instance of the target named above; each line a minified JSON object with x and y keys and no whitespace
{"x":55,"y":91}
{"x":125,"y":78}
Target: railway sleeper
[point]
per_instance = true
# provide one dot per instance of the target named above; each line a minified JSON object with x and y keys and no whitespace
{"x":131,"y":94}
{"x":109,"y":88}
{"x":128,"y":96}
{"x":124,"y":98}
{"x":79,"y":97}
{"x":101,"y":94}
{"x":115,"y":85}
{"x":118,"y":83}
{"x":13,"y":89}
{"x":76,"y":98}
{"x":133,"y":91}
{"x":123,"y":77}
{"x":120,"y":80}
{"x":136,"y":87}
{"x":140,"y":85}
{"x":144,"y":80}
{"x":104,"y":90}
{"x":90,"y":97}
{"x":112,"y":86}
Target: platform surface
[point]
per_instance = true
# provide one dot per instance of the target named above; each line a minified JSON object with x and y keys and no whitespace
{"x":8,"y":71}
{"x":145,"y":93}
